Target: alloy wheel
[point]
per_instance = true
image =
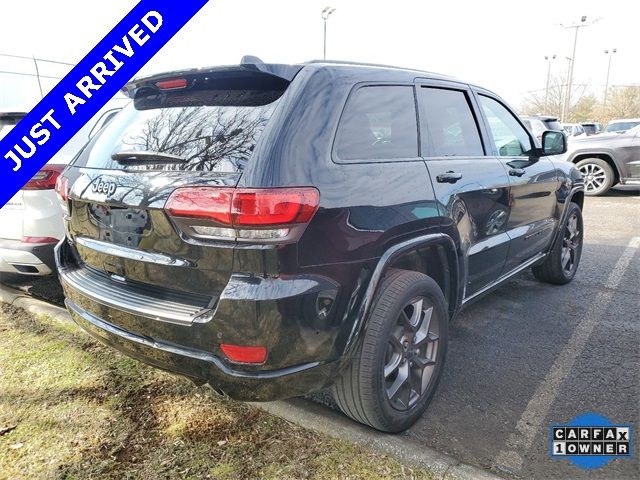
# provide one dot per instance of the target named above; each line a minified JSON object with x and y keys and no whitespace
{"x":412,"y":350}
{"x":570,"y":244}
{"x":594,"y":176}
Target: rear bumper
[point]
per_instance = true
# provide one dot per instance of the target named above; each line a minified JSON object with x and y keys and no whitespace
{"x":26,"y":258}
{"x":205,"y":367}
{"x":155,"y":329}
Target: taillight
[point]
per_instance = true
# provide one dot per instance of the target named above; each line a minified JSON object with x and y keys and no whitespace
{"x":62,"y":188}
{"x":244,"y":354}
{"x":45,"y":179}
{"x":39,"y":240}
{"x":269,"y":214}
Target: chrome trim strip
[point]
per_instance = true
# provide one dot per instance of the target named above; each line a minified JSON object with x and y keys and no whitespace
{"x":131,"y":253}
{"x":505,"y":277}
{"x":170,"y":312}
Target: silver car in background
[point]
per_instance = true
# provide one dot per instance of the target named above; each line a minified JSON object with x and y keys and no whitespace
{"x":607,"y":159}
{"x":621,"y":125}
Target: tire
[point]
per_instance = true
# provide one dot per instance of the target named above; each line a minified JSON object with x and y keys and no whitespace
{"x":598,"y":176}
{"x":363,"y":392}
{"x":554,"y":269}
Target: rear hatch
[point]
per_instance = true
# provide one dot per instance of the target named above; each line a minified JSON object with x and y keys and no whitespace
{"x":195,"y":128}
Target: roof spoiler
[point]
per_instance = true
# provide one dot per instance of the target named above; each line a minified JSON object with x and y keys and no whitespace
{"x":248,"y":65}
{"x":13,"y":117}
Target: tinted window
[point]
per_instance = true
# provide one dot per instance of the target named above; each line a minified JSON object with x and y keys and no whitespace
{"x":553,"y":125}
{"x":209,"y":138}
{"x":379,"y":122}
{"x":449,"y":126}
{"x":510,"y":137}
{"x":620,"y":126}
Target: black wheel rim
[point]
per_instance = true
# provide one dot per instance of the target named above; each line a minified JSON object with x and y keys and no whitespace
{"x":411,"y":355}
{"x":570,"y":244}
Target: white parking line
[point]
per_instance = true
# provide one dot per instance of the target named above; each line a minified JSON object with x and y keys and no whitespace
{"x":536,"y":412}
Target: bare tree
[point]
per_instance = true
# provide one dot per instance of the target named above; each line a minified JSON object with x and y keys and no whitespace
{"x":534,"y":103}
{"x":622,"y":102}
{"x":204,"y":136}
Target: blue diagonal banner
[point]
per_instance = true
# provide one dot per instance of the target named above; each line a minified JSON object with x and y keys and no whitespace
{"x":88,"y":87}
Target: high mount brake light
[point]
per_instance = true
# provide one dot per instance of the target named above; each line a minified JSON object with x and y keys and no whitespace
{"x":172,"y":84}
{"x":254,"y":213}
{"x":45,"y":178}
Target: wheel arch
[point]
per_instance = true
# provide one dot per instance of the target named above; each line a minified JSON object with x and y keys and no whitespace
{"x":419,"y":254}
{"x":602,"y":156}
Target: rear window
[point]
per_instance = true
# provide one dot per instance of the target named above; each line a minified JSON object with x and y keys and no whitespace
{"x":207,"y":130}
{"x":379,"y":122}
{"x":620,"y":126}
{"x":553,"y":125}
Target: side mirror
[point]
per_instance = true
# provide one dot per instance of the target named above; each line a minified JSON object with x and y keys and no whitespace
{"x":553,"y":143}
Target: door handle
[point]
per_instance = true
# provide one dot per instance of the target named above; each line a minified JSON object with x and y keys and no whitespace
{"x":516,"y":172}
{"x":449,"y":177}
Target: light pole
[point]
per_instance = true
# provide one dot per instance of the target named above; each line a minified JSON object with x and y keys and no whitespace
{"x":576,"y":26}
{"x":606,"y":85}
{"x":546,"y":91}
{"x":566,"y":92}
{"x":325,"y":15}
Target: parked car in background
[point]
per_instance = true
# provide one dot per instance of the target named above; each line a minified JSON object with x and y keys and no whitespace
{"x":573,"y":130}
{"x":621,"y":125}
{"x":275,"y":230}
{"x":607,"y":159}
{"x":535,"y":126}
{"x":552,"y":123}
{"x":591,"y":128}
{"x":31,"y":222}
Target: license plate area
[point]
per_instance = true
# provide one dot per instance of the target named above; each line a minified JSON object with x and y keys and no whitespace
{"x":120,"y":225}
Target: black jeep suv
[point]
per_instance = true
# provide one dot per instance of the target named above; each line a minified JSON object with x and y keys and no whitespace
{"x":274,"y":230}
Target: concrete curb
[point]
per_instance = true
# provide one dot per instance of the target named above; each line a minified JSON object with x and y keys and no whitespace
{"x":321,"y":419}
{"x":315,"y":417}
{"x":18,"y":298}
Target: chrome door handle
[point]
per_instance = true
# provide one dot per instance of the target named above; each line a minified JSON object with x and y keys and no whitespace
{"x":449,"y":177}
{"x":517,"y":172}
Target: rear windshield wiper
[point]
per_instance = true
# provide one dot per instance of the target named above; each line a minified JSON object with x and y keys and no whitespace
{"x":134,"y":157}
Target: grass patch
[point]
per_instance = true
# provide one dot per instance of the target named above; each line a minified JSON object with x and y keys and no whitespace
{"x":71,"y":408}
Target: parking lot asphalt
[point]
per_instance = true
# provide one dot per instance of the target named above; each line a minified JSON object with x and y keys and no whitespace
{"x":530,"y":355}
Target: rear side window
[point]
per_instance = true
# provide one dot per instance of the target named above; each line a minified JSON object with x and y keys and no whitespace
{"x":379,"y":123}
{"x":211,"y":130}
{"x":449,"y":127}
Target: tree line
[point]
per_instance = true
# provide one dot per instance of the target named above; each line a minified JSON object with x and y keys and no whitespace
{"x":621,"y":102}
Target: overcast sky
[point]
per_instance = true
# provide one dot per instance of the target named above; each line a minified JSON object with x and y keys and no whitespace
{"x":497,"y":44}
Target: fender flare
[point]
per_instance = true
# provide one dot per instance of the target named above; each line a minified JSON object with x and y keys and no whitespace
{"x":389,"y":256}
{"x":575,"y":189}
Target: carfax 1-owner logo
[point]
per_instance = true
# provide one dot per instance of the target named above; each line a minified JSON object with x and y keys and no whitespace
{"x":590,"y":441}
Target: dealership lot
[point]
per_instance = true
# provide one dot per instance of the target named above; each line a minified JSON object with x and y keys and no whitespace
{"x":531,"y":355}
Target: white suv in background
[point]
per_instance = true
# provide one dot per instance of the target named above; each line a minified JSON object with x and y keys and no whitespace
{"x":31,"y":222}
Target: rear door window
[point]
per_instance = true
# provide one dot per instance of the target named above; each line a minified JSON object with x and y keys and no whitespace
{"x":447,"y":124}
{"x":379,"y":123}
